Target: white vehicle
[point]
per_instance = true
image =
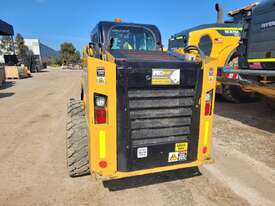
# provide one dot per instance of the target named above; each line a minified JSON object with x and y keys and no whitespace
{"x":40,"y":54}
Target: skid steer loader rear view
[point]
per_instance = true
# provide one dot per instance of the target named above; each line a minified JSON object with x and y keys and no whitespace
{"x":142,"y":110}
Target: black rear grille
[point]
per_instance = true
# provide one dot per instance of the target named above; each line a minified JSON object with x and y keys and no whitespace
{"x":160,"y":116}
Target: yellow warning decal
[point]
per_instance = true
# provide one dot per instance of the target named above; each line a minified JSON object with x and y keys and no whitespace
{"x":181,"y":147}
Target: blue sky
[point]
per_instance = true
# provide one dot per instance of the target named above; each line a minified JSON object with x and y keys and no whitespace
{"x":56,"y":21}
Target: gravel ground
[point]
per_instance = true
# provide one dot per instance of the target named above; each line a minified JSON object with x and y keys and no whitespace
{"x":32,"y":154}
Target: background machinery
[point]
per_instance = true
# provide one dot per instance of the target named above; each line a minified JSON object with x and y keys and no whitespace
{"x":256,"y":51}
{"x":7,"y":31}
{"x":142,"y":110}
{"x":219,"y":40}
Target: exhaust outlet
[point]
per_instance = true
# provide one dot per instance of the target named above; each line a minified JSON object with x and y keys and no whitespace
{"x":220,"y":14}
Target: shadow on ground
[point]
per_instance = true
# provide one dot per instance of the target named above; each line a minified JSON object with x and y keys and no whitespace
{"x":7,"y":85}
{"x":256,"y":114}
{"x":43,"y":71}
{"x":151,"y":179}
{"x":8,"y":94}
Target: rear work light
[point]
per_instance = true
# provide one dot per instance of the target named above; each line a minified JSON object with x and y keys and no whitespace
{"x":208,"y":103}
{"x":100,"y":102}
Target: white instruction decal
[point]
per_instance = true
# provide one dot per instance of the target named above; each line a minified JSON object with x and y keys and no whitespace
{"x":142,"y":152}
{"x":165,"y":76}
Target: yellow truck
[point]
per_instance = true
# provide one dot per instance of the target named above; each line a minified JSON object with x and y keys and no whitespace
{"x":142,"y":110}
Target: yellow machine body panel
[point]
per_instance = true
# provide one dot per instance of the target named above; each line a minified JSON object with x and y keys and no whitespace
{"x":223,"y":46}
{"x":103,"y":137}
{"x":263,"y":89}
{"x":206,"y":122}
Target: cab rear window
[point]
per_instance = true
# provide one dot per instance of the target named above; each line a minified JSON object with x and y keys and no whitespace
{"x":132,"y":38}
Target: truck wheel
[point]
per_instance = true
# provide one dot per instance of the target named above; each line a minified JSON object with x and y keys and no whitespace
{"x":77,"y":140}
{"x":270,"y":103}
{"x":235,"y":94}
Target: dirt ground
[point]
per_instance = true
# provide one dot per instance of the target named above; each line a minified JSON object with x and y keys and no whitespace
{"x":33,"y":167}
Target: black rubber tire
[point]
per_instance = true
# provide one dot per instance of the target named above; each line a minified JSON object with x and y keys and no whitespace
{"x":77,"y":140}
{"x":270,"y":103}
{"x":235,"y":94}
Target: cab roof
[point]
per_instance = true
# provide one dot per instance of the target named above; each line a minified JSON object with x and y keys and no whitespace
{"x":105,"y":26}
{"x":112,"y":23}
{"x":6,"y":29}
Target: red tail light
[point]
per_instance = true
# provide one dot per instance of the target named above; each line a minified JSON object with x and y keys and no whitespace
{"x":100,"y":115}
{"x":207,"y":109}
{"x":208,"y":103}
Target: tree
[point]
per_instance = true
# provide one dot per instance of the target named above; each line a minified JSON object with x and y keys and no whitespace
{"x":6,"y":45}
{"x":22,"y":50}
{"x":77,"y":57}
{"x":53,"y":61}
{"x":69,"y":54}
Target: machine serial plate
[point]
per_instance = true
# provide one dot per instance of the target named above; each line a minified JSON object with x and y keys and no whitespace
{"x":165,"y":76}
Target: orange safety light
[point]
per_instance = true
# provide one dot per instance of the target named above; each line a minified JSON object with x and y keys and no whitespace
{"x":118,"y":20}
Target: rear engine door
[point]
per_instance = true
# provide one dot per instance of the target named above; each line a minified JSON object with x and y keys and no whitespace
{"x":157,"y":119}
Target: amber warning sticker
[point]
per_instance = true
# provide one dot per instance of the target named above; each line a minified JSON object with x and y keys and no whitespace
{"x":181,"y":147}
